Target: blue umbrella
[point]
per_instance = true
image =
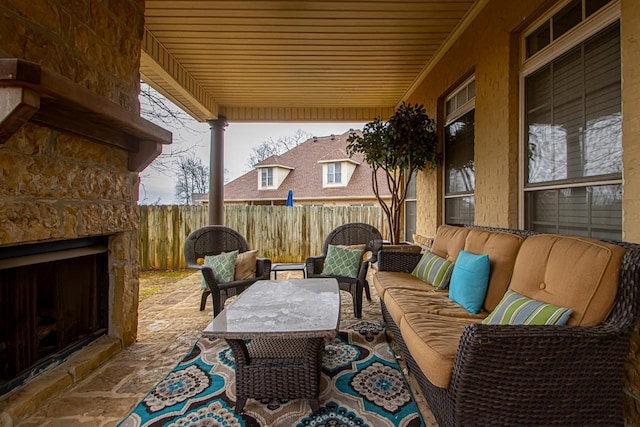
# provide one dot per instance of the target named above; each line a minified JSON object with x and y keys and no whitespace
{"x":289,"y":198}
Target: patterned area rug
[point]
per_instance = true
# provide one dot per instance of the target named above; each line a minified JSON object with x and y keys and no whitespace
{"x":361,"y":385}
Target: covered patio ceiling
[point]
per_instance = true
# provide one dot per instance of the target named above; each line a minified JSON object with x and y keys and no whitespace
{"x":289,"y":60}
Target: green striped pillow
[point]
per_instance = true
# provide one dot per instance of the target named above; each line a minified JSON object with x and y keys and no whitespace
{"x":434,"y":270}
{"x":516,"y":309}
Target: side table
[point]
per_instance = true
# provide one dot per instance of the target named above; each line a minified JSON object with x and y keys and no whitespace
{"x":289,"y":267}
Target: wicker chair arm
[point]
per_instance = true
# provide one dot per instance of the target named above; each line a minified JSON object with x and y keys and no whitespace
{"x":315,"y":264}
{"x":240,"y":285}
{"x":193,"y":266}
{"x":362,"y":273}
{"x":207,"y":272}
{"x":263,"y":268}
{"x":403,"y":262}
{"x":519,"y":364}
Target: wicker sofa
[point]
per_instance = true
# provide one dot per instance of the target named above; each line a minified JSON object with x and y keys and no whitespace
{"x":479,"y":374}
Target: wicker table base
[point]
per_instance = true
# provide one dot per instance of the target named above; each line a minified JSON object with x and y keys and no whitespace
{"x":278,"y":368}
{"x":276,"y":330}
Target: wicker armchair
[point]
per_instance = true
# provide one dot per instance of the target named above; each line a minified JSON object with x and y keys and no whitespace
{"x":214,"y":240}
{"x":354,"y":233}
{"x":533,"y":375}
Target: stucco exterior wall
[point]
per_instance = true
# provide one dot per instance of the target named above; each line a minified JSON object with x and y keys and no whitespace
{"x":489,"y":50}
{"x":630,"y":41}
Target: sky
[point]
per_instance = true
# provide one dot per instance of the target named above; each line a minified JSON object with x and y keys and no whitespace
{"x":239,"y":140}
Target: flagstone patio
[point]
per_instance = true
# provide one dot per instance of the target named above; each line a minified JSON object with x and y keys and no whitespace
{"x":169,"y":324}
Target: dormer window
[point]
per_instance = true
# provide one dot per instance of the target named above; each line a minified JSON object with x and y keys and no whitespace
{"x":270,"y":176}
{"x":266,"y":177}
{"x":337,"y":171}
{"x":334,"y":173}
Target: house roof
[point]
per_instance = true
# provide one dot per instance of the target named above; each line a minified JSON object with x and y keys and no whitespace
{"x":305,"y":178}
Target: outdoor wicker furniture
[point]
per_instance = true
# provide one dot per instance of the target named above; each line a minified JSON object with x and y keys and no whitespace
{"x":354,"y":233}
{"x":214,"y":240}
{"x":520,"y":374}
{"x":276,"y":330}
{"x":289,"y":267}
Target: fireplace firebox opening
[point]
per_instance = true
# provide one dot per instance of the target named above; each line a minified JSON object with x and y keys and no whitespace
{"x":53,"y":301}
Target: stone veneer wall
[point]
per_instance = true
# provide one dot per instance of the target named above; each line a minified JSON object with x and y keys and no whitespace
{"x":59,"y":186}
{"x":489,"y":48}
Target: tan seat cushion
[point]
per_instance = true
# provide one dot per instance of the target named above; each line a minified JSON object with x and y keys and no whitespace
{"x":502,"y":249}
{"x":433,"y":342}
{"x":449,"y":241}
{"x":573,"y":272}
{"x":400,"y":302}
{"x":383,"y":280}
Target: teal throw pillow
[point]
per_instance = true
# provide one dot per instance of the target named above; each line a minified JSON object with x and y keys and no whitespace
{"x":516,"y":309}
{"x":470,"y":280}
{"x":434,"y":270}
{"x":342,"y":262}
{"x":223,"y":266}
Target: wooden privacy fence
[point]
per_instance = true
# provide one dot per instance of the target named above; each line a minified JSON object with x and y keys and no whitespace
{"x":284,"y":234}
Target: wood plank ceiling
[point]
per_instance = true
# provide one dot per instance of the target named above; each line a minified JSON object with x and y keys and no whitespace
{"x":286,"y":60}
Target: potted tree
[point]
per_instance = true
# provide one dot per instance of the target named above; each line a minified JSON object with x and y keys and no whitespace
{"x":397,"y":148}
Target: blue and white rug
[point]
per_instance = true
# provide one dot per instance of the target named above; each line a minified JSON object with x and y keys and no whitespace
{"x":361,"y":385}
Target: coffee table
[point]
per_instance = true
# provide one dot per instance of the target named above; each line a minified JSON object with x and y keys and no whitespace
{"x":276,"y":330}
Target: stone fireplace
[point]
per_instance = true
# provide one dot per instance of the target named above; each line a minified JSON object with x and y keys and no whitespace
{"x":71,"y":147}
{"x":68,"y":238}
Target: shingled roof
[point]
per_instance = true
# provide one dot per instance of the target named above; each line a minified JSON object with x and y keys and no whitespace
{"x":305,"y":178}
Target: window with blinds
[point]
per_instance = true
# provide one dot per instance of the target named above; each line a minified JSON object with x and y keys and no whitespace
{"x":410,"y":209}
{"x":266,"y":175}
{"x":334,"y":173}
{"x":459,"y":137}
{"x":573,"y":136}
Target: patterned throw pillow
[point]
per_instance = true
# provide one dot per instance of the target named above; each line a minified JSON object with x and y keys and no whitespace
{"x":516,"y":309}
{"x":434,"y":270}
{"x":342,"y":262}
{"x":223,"y":266}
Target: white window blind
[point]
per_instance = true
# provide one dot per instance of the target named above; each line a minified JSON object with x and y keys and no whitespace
{"x":573,"y":126}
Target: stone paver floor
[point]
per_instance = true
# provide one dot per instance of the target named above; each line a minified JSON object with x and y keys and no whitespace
{"x":169,"y":324}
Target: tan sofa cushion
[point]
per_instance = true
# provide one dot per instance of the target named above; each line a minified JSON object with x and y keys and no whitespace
{"x":573,"y":272}
{"x":433,"y":342}
{"x":400,"y":302}
{"x":383,"y":280}
{"x":449,"y":241}
{"x":502,"y":249}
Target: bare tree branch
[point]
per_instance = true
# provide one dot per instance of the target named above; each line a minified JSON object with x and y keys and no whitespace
{"x":159,"y":110}
{"x":272,"y":147}
{"x":192,"y":178}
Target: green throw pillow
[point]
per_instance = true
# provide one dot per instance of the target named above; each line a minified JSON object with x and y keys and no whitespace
{"x":434,"y":270}
{"x":516,"y":309}
{"x":342,"y":262}
{"x":223,"y":266}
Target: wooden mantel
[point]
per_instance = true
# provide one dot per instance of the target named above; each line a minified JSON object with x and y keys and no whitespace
{"x":29,"y":92}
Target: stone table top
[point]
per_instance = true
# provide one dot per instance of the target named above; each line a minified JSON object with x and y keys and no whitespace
{"x":296,"y":308}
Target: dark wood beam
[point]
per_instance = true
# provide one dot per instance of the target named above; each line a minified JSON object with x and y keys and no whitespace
{"x":31,"y":92}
